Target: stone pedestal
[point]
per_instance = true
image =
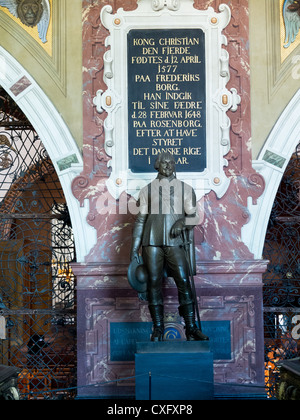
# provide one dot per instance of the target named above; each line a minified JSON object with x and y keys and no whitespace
{"x":174,"y":370}
{"x":9,"y":383}
{"x":111,"y":320}
{"x":288,"y":387}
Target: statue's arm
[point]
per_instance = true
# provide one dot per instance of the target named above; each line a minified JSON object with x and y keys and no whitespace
{"x":191,"y":217}
{"x":138,"y":229}
{"x":137,"y":236}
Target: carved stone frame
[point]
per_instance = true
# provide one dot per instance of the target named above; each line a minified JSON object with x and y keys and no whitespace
{"x":167,"y":14}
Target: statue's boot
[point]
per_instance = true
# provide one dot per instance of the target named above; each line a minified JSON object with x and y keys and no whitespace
{"x":157,"y":315}
{"x":192,"y":332}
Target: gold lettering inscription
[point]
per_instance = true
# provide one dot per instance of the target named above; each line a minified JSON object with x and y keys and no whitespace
{"x":169,"y":115}
{"x":179,"y":41}
{"x":140,"y":151}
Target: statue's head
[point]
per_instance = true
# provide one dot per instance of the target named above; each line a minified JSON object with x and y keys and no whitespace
{"x":30,"y":11}
{"x":165,"y":164}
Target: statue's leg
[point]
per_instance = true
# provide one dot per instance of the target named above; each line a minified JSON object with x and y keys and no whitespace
{"x":154,"y":261}
{"x":192,"y":332}
{"x":179,"y":270}
{"x":157,"y":315}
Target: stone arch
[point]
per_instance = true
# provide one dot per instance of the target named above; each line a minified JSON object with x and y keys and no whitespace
{"x":271,"y":164}
{"x":57,"y":139}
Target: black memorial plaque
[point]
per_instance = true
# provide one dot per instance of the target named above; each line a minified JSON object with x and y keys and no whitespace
{"x":166,"y":98}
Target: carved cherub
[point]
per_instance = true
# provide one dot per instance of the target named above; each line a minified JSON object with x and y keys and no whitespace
{"x":295,"y":6}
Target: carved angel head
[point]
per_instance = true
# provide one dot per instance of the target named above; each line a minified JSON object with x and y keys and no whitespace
{"x":295,"y":6}
{"x":30,"y":11}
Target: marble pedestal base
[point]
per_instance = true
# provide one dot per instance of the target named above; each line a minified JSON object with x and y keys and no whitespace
{"x":112,"y":319}
{"x":174,"y":370}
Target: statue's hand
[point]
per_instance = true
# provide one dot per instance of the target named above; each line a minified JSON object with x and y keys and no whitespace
{"x":135,"y":255}
{"x":177,"y":228}
{"x":135,"y":246}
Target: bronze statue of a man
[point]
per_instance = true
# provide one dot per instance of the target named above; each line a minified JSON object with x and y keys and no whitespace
{"x":167,"y":210}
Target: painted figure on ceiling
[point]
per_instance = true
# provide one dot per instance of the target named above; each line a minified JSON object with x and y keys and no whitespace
{"x":291,"y":17}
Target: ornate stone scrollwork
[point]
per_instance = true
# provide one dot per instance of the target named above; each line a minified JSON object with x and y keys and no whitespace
{"x":170,"y":4}
{"x":107,"y":101}
{"x":224,"y":64}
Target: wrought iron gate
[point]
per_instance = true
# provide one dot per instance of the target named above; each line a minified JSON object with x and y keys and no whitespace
{"x":282,"y":279}
{"x":37,"y":293}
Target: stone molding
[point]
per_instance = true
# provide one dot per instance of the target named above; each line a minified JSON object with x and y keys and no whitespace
{"x":209,"y":274}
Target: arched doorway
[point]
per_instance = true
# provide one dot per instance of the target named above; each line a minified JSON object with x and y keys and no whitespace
{"x":271,"y":164}
{"x":281,"y":289}
{"x":37,"y":286}
{"x":274,"y":236}
{"x":57,"y":140}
